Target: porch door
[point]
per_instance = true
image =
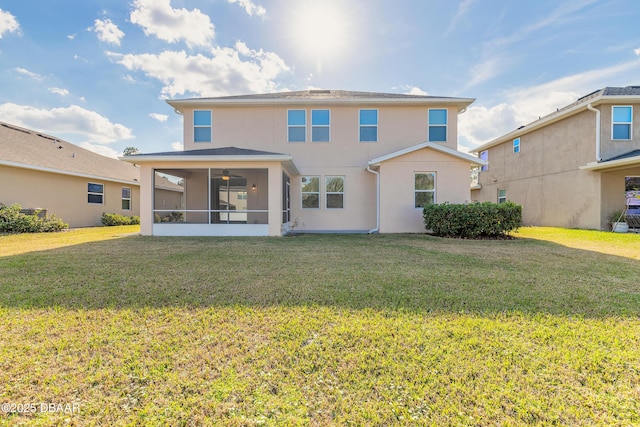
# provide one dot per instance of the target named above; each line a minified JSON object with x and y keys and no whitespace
{"x":229,"y":197}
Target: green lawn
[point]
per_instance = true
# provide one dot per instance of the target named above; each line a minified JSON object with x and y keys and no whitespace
{"x":320,"y":330}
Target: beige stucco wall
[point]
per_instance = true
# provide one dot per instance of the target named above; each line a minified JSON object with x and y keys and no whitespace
{"x":63,"y":195}
{"x":546,"y":176}
{"x":612,"y":148}
{"x":398,"y":213}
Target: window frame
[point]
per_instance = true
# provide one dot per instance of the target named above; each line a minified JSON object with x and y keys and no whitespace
{"x":203,"y":126}
{"x":328,"y":193}
{"x":614,"y":122}
{"x":484,"y":157}
{"x":95,"y":193}
{"x":321,"y":126}
{"x":438,"y":125}
{"x":502,"y":198}
{"x":516,"y":146}
{"x":416,"y":190}
{"x":303,"y":193}
{"x":126,"y":199}
{"x":296,"y":126}
{"x":368,"y":125}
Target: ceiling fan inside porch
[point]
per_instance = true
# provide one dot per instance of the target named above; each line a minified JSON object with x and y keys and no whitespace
{"x":225,"y":175}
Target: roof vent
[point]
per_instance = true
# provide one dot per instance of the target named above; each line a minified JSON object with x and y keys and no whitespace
{"x":50,"y":138}
{"x":14,"y":128}
{"x":319,"y":91}
{"x":589,"y":94}
{"x":633,"y":87}
{"x":60,"y":147}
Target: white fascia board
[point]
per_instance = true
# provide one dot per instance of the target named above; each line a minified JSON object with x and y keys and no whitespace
{"x":432,"y":145}
{"x":613,"y":164}
{"x":68,"y":173}
{"x":196,"y":158}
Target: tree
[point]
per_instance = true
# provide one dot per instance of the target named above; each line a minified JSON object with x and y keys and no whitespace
{"x":129,"y":151}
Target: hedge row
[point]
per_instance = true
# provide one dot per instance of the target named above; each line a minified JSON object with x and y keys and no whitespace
{"x":116,"y":219}
{"x":471,"y":221}
{"x":14,"y":221}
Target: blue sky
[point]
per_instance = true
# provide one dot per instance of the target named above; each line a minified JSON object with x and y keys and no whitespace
{"x":96,"y":73}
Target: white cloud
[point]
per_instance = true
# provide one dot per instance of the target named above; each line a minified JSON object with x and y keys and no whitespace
{"x":107,"y":31}
{"x":159,"y":117}
{"x":29,"y":74}
{"x":227,"y":71}
{"x":158,"y":18}
{"x":637,"y":51}
{"x":8,"y":23}
{"x":177,"y":146}
{"x":521,"y":106}
{"x":486,"y":70}
{"x":100,"y":149}
{"x":250,"y":7}
{"x":463,"y":8}
{"x":59,"y":91}
{"x":72,"y":120}
{"x":414,"y":90}
{"x":71,"y":36}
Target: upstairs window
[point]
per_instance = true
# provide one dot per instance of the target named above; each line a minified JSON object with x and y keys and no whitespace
{"x":621,"y":123}
{"x":368,"y":125}
{"x":334,"y":191}
{"x":202,"y":126}
{"x":425,"y":189}
{"x":437,"y":125}
{"x":310,"y":192}
{"x":516,"y":145}
{"x":320,"y":125}
{"x":484,"y":155}
{"x":95,"y":193}
{"x":126,"y":198}
{"x":297,"y":125}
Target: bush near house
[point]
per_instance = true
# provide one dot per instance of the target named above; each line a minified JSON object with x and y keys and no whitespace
{"x":472,"y":221}
{"x":117,"y":219}
{"x":14,"y":221}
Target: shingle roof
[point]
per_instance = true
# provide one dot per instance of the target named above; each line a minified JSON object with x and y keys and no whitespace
{"x":23,"y":147}
{"x":323,"y":94}
{"x":224,"y":151}
{"x":630,"y":154}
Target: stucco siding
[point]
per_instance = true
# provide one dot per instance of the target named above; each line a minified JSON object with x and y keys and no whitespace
{"x":64,"y":196}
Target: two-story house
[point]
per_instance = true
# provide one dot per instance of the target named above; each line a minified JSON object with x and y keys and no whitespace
{"x":572,"y":168}
{"x":307,"y":161}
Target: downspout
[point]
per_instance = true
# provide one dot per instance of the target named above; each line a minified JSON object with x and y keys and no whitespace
{"x":598,"y":136}
{"x":377,"y":174}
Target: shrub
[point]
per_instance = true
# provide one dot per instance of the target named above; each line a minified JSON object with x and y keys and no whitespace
{"x":471,"y":221}
{"x":14,"y":221}
{"x":117,"y":219}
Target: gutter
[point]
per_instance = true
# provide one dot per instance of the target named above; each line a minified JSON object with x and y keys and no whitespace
{"x":598,"y":132}
{"x":377,"y":174}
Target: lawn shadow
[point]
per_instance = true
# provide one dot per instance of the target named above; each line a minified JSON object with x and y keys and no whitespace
{"x":386,"y":272}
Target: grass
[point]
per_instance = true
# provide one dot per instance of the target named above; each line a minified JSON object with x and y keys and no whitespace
{"x":321,"y":330}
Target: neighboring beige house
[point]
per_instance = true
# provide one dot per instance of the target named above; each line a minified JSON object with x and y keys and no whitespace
{"x":572,"y":168}
{"x":77,"y":185}
{"x":307,"y":161}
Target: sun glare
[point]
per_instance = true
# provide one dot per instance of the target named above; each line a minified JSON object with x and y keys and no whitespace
{"x":321,"y":30}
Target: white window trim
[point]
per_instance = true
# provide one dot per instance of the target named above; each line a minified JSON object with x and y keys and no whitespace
{"x":302,"y":193}
{"x":376,"y":125}
{"x":516,"y":146}
{"x":94,"y":193}
{"x":297,"y":126}
{"x":321,"y":126}
{"x":326,"y":193}
{"x":622,"y":123}
{"x":434,"y":191}
{"x":505,"y":195}
{"x":446,"y":126}
{"x":484,"y":167}
{"x":202,"y":126}
{"x":125,"y":198}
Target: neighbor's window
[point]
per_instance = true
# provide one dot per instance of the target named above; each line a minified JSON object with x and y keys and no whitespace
{"x":126,"y":198}
{"x":484,"y":155}
{"x":310,"y":192}
{"x":334,"y":191}
{"x":502,"y":195}
{"x":437,"y":125}
{"x":621,"y":123}
{"x":95,"y":193}
{"x":368,"y":125}
{"x":320,"y":124}
{"x":297,"y":125}
{"x":516,"y":145}
{"x":425,"y":188}
{"x":202,"y":126}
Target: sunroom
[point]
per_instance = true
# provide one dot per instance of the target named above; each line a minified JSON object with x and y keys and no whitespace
{"x":215,"y":192}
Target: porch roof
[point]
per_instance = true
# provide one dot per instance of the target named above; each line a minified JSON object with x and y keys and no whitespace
{"x":629,"y":159}
{"x":434,"y":146}
{"x":223,"y":154}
